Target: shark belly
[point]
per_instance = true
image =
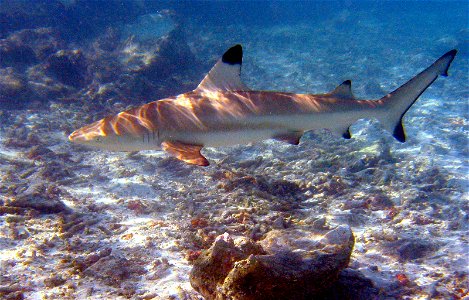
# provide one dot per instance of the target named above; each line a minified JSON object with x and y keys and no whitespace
{"x":262,"y":127}
{"x":226,"y":138}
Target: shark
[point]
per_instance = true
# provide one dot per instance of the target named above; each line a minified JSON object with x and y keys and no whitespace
{"x":223,"y":111}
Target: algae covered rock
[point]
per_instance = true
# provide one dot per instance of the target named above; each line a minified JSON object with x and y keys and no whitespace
{"x":68,"y":67}
{"x":287,"y":264}
{"x":41,"y":197}
{"x":214,"y":264}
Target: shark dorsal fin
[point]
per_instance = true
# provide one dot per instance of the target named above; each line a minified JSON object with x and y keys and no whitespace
{"x":225,"y":75}
{"x":344,"y":90}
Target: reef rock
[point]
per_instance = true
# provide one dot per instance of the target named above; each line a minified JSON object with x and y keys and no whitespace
{"x":29,"y":46}
{"x":13,"y":88}
{"x":12,"y":53}
{"x":43,"y":41}
{"x":69,"y":67}
{"x":41,"y":197}
{"x":286,"y":264}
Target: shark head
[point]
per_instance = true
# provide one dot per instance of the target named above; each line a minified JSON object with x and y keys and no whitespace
{"x":130,"y":130}
{"x":96,"y":134}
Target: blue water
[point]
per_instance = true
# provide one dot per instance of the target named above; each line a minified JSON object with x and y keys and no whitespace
{"x":65,"y":64}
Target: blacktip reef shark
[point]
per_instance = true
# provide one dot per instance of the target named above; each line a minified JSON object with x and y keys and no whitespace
{"x":222,"y":111}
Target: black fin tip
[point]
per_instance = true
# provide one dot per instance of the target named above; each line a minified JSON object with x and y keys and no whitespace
{"x":234,"y":55}
{"x":347,"y":135}
{"x":450,"y":54}
{"x":399,"y":132}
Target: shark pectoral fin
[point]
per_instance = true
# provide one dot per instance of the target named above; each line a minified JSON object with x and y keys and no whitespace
{"x":343,"y":91}
{"x":185,"y":152}
{"x":292,"y":138}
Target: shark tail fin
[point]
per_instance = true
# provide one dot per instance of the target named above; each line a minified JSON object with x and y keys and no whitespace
{"x":396,"y":103}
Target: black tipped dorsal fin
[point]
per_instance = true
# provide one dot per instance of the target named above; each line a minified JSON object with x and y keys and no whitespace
{"x":343,"y":91}
{"x":225,"y":75}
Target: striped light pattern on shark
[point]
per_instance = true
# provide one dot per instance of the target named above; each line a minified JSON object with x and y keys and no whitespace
{"x":222,"y":111}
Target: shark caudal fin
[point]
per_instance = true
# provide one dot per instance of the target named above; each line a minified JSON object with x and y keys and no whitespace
{"x":396,"y":104}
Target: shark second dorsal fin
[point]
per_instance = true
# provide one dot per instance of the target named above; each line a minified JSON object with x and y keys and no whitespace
{"x":225,"y":75}
{"x":343,"y":91}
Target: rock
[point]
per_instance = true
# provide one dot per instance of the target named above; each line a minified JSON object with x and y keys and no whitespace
{"x":279,"y":188}
{"x":329,"y":185}
{"x":54,"y":280}
{"x":83,"y":263}
{"x":29,"y":46}
{"x":414,"y":249}
{"x":45,"y":87}
{"x":13,"y":88}
{"x":41,"y":197}
{"x":127,"y":70}
{"x":287,"y":264}
{"x":38,"y":65}
{"x":351,"y":285}
{"x":114,"y":270}
{"x":42,"y":41}
{"x":13,"y":292}
{"x":40,"y":152}
{"x":379,"y":202}
{"x":279,"y":223}
{"x":319,"y":224}
{"x":23,"y":79}
{"x":19,"y":136}
{"x":53,"y":171}
{"x":213,"y":265}
{"x":173,"y":57}
{"x":14,"y":53}
{"x":68,"y":67}
{"x":29,"y":58}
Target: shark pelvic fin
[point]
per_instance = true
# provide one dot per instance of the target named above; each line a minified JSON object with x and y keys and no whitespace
{"x":226,"y":74}
{"x":185,"y":152}
{"x":291,"y":138}
{"x":343,"y":91}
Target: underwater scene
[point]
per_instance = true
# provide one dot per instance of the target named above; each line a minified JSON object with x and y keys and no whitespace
{"x":234,"y":150}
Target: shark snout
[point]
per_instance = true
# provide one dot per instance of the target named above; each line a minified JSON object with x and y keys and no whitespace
{"x":74,"y":136}
{"x":84,"y":136}
{"x":78,"y":137}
